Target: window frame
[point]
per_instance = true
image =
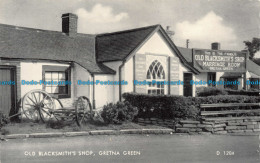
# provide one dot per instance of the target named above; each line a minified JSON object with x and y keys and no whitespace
{"x":209,"y":76}
{"x":51,"y":68}
{"x":229,"y":86}
{"x":163,"y":78}
{"x":254,"y":79}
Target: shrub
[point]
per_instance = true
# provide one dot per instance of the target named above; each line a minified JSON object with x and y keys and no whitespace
{"x":254,"y":90}
{"x":226,"y":99}
{"x":3,"y":119}
{"x":119,"y":112}
{"x":179,"y":107}
{"x":211,"y":91}
{"x":251,"y":92}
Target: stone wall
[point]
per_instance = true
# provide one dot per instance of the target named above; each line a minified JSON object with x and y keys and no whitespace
{"x":156,"y":121}
{"x":218,"y":126}
{"x":193,"y":126}
{"x":236,"y":125}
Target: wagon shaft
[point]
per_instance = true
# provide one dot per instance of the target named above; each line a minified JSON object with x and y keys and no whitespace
{"x":63,"y":111}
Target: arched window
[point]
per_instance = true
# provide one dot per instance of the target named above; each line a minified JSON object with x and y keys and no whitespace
{"x":155,"y":72}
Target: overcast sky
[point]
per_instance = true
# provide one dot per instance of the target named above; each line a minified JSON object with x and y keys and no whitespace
{"x":229,"y":22}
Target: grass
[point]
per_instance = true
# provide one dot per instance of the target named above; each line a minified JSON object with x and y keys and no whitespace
{"x":30,"y":127}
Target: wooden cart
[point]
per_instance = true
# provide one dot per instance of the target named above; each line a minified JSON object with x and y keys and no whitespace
{"x":39,"y":105}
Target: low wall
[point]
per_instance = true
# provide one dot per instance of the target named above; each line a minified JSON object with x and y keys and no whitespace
{"x":219,"y":126}
{"x":156,"y":121}
{"x":235,"y":125}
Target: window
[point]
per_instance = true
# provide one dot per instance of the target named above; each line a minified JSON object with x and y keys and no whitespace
{"x":212,"y":77}
{"x":155,"y":72}
{"x":59,"y":74}
{"x":231,"y":84}
{"x":254,"y":84}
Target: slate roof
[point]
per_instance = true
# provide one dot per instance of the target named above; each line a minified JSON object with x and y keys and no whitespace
{"x":118,"y":45}
{"x":87,"y":50}
{"x":257,"y":61}
{"x":28,"y":43}
{"x":232,"y":75}
{"x":186,"y":53}
{"x":253,"y":67}
{"x":253,"y":75}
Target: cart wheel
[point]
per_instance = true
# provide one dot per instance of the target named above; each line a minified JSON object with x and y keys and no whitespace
{"x":38,"y":104}
{"x":83,"y":110}
{"x":58,"y":106}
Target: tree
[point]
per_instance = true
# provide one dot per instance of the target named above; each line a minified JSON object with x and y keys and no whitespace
{"x":252,"y":46}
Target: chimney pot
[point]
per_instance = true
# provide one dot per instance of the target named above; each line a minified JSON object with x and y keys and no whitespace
{"x":69,"y":23}
{"x":215,"y":46}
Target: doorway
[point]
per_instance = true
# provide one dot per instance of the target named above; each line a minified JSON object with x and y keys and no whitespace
{"x":7,"y":90}
{"x":187,"y":87}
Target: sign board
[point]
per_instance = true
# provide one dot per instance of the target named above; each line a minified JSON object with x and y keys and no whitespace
{"x":174,"y":75}
{"x":219,"y":60}
{"x":140,"y":72}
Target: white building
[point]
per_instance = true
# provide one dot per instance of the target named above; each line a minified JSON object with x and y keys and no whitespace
{"x":139,"y":54}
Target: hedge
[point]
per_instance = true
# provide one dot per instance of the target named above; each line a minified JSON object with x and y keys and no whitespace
{"x":162,"y":106}
{"x":178,"y":107}
{"x":211,"y":91}
{"x":244,"y":92}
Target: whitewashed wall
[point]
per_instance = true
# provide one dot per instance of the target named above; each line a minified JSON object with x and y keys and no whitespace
{"x":33,"y":71}
{"x":104,"y":94}
{"x":115,"y":66}
{"x":82,"y":74}
{"x":218,"y":75}
{"x":200,"y":77}
{"x":127,"y":75}
{"x":155,"y":45}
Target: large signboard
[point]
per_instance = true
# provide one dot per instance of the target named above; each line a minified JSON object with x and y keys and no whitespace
{"x":219,"y":60}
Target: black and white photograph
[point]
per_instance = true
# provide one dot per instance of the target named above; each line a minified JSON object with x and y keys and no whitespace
{"x":145,"y":81}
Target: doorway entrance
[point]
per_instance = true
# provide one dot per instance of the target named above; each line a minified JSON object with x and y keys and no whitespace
{"x":187,"y":87}
{"x":7,"y":90}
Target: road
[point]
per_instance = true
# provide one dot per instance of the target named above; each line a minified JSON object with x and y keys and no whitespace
{"x":133,"y":148}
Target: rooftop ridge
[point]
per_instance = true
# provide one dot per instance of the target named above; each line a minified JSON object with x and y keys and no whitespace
{"x":40,"y":30}
{"x":128,"y":30}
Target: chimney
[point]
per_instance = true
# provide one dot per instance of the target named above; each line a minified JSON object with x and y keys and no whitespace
{"x":69,"y":23}
{"x":215,"y":46}
{"x":169,"y":32}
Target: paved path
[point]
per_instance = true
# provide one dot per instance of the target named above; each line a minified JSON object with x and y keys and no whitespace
{"x":133,"y":148}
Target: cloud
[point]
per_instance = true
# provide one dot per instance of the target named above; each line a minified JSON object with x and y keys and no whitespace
{"x":98,"y":17}
{"x":101,"y":14}
{"x":206,"y":30}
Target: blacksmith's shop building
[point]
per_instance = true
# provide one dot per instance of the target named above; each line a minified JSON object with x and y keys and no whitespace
{"x":142,"y":54}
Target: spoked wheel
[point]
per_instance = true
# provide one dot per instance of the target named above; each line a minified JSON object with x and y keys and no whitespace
{"x":83,"y":110}
{"x":38,"y":104}
{"x":58,"y":110}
